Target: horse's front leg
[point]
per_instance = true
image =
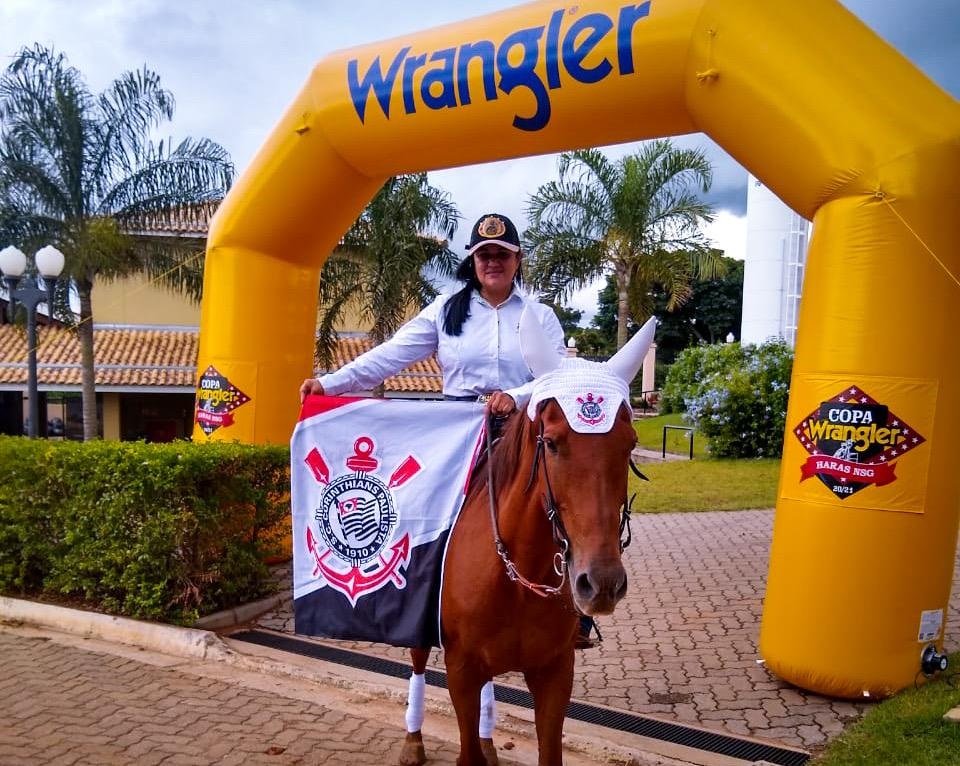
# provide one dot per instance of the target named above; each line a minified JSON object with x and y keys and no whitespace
{"x":488,"y":717}
{"x":464,"y":684}
{"x":412,"y":753}
{"x":551,"y":685}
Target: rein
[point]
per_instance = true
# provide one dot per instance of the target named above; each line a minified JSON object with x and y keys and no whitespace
{"x":560,"y":536}
{"x":559,"y":558}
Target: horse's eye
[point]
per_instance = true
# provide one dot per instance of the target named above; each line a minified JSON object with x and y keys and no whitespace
{"x":550,"y":444}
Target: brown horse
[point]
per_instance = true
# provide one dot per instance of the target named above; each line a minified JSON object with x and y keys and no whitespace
{"x":491,"y":622}
{"x":538,"y":540}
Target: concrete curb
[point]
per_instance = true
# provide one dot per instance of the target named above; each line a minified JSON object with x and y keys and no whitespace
{"x":641,"y":455}
{"x":166,"y":639}
{"x":239,"y":615}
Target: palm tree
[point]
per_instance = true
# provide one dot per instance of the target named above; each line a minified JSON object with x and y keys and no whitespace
{"x":637,"y":218}
{"x":78,"y":170}
{"x":380,"y":268}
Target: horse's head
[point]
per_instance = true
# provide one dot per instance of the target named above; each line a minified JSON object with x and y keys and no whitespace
{"x":588,"y":482}
{"x":582,"y":413}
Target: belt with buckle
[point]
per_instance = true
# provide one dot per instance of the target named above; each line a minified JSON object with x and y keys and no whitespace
{"x":480,"y":398}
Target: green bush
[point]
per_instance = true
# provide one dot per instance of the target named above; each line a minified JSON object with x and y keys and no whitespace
{"x":157,"y":531}
{"x":741,"y":410}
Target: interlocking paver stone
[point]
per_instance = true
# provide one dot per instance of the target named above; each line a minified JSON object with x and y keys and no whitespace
{"x":123,"y":712}
{"x":689,"y":625}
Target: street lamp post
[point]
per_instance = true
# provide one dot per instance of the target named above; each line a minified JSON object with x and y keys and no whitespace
{"x":13,"y":263}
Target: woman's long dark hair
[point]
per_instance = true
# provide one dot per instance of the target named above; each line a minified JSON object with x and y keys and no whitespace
{"x":456,"y":311}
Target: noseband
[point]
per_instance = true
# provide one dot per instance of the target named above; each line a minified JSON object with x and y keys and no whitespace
{"x":560,"y":536}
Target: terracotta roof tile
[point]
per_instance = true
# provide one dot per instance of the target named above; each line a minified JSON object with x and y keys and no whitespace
{"x":124,"y":357}
{"x":182,"y":220}
{"x":420,"y":377}
{"x":127,"y":356}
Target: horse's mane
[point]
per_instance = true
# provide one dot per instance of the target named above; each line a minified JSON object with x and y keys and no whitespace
{"x":506,"y":455}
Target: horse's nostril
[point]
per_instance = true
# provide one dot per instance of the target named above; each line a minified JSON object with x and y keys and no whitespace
{"x":584,"y":586}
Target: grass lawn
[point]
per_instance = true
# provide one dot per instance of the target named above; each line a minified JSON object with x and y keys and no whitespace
{"x":650,"y":435}
{"x":701,"y":484}
{"x":706,"y":485}
{"x":907,"y":730}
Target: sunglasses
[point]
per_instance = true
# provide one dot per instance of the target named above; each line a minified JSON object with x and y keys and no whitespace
{"x":495,"y":255}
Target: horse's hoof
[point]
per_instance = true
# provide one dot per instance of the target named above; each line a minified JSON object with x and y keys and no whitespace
{"x":412,"y":753}
{"x":489,"y":752}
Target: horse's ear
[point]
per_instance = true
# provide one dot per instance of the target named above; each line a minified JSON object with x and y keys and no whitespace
{"x":628,"y":360}
{"x":538,"y":352}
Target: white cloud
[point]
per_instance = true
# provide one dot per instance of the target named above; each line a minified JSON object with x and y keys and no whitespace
{"x":585,"y":300}
{"x":728,"y":232}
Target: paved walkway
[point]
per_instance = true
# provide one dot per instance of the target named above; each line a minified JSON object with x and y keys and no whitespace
{"x":683,"y":643}
{"x":96,"y":696}
{"x":63,"y":704}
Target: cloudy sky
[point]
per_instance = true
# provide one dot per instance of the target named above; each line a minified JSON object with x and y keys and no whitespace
{"x":234,"y":65}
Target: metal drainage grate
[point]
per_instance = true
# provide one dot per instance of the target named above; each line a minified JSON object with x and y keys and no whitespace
{"x":678,"y":734}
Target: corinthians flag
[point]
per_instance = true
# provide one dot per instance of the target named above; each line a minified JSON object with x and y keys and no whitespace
{"x":375,"y":487}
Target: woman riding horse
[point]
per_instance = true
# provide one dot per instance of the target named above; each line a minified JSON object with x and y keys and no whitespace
{"x":474,"y":334}
{"x":553,"y":501}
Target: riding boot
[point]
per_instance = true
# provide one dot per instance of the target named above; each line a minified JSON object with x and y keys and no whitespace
{"x":583,"y":639}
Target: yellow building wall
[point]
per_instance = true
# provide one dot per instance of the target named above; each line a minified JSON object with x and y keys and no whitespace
{"x":352,"y":319}
{"x":135,"y":300}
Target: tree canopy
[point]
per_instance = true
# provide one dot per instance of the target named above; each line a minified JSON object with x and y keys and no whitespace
{"x":713,"y":311}
{"x":80,"y":171}
{"x":637,"y":219}
{"x":382,"y":270}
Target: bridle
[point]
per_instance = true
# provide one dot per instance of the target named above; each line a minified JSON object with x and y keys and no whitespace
{"x":560,"y":537}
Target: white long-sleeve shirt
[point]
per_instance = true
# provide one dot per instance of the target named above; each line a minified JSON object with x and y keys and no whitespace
{"x":485,"y":357}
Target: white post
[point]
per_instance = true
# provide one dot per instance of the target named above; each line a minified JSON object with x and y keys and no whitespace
{"x":649,"y":369}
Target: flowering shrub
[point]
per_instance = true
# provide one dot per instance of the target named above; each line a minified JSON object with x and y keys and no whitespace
{"x":741,"y":410}
{"x":689,"y":376}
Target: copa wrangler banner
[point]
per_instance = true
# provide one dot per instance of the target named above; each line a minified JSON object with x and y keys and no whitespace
{"x":838,"y":124}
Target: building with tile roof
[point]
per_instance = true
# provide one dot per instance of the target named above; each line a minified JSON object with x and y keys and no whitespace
{"x":145,"y":350}
{"x":145,"y":378}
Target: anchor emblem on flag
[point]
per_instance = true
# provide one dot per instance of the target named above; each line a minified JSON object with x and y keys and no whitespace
{"x":356,"y":518}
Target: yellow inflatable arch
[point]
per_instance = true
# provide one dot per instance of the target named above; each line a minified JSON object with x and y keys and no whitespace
{"x":826,"y":114}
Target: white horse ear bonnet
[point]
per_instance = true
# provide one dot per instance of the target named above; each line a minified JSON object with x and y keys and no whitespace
{"x":589,"y":393}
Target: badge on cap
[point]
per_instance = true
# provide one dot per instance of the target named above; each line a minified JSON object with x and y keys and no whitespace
{"x":491,"y":227}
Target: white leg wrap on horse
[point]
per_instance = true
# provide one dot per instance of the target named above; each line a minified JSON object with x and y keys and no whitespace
{"x":415,"y":702}
{"x":488,"y":711}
